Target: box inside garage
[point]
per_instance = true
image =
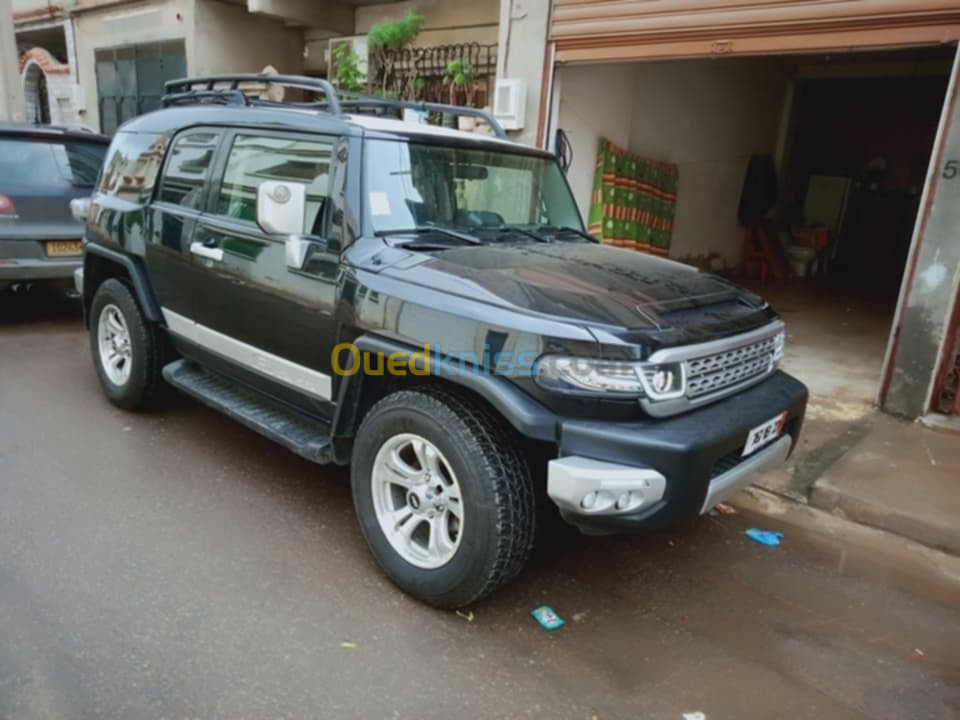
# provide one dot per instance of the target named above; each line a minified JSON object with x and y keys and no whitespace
{"x":799,"y":175}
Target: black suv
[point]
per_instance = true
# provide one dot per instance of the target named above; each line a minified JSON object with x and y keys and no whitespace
{"x":424,"y":305}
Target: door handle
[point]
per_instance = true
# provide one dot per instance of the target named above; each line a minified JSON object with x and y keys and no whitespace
{"x":210,"y":253}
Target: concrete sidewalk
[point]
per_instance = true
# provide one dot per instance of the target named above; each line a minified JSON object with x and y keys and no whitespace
{"x":879,"y":492}
{"x":901,"y":477}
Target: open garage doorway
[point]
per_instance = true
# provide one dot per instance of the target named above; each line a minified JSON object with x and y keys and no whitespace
{"x":836,"y":147}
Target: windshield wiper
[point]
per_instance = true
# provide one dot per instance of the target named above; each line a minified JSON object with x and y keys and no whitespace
{"x":556,"y":229}
{"x":436,"y":230}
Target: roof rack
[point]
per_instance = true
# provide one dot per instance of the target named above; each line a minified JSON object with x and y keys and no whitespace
{"x":191,"y":90}
{"x":360,"y":103}
{"x":205,"y":90}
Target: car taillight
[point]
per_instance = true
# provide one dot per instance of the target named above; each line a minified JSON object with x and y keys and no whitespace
{"x":6,"y":206}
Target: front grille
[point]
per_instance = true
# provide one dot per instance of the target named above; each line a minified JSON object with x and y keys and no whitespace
{"x":713,"y":373}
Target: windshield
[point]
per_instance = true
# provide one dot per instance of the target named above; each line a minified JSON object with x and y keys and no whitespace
{"x":412,"y":185}
{"x":34,"y":162}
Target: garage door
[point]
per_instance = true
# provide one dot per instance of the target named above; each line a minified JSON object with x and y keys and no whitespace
{"x":597,"y":30}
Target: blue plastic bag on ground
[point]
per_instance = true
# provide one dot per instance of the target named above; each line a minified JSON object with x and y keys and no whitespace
{"x":764,"y":537}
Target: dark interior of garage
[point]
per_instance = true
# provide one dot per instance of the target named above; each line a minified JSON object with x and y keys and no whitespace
{"x":830,"y":244}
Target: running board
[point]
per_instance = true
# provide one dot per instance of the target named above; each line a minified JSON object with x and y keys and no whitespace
{"x":305,"y":436}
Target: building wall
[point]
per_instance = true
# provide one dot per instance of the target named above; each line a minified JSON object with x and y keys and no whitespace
{"x":594,"y":102}
{"x":61,"y":89}
{"x":23,"y":8}
{"x":707,"y":116}
{"x":229,"y":39}
{"x":445,"y":21}
{"x":127,"y":24}
{"x":521,"y":54}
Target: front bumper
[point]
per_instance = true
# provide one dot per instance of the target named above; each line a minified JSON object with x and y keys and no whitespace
{"x":658,"y":473}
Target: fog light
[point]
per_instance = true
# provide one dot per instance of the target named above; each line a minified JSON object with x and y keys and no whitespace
{"x":623,"y":501}
{"x":588,"y":501}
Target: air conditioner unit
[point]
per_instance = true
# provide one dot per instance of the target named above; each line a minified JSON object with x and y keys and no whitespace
{"x":510,"y":103}
{"x":357,"y":43}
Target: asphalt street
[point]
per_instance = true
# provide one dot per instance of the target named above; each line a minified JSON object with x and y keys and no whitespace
{"x":176,"y":565}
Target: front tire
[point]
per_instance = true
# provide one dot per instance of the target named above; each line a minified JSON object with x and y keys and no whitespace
{"x":126,"y":347}
{"x":443,"y":496}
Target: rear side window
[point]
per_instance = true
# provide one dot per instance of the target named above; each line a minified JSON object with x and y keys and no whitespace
{"x":132,"y":165}
{"x":254,"y":159}
{"x":188,"y":168}
{"x":40,"y":162}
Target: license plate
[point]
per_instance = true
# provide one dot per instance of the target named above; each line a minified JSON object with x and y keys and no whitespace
{"x":764,"y":433}
{"x":64,"y":247}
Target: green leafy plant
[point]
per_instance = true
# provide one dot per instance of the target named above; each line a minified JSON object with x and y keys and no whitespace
{"x":386,"y":39}
{"x":395,"y":34}
{"x":346,"y":64}
{"x":419,"y":87}
{"x":462,"y":75}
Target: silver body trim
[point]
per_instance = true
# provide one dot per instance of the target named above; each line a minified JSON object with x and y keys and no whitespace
{"x":78,"y":280}
{"x":682,"y":353}
{"x":267,"y":364}
{"x":570,"y":479}
{"x":734,"y":480}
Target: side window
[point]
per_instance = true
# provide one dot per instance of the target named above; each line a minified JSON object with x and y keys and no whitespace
{"x":132,"y":165}
{"x":254,"y":159}
{"x":188,"y":168}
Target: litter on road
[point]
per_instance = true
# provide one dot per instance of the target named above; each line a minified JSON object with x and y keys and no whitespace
{"x":546,"y":616}
{"x":764,"y":537}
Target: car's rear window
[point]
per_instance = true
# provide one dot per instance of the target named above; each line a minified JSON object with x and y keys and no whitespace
{"x":31,"y":161}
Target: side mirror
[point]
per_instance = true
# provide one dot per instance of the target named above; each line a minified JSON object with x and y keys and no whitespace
{"x":281,"y":207}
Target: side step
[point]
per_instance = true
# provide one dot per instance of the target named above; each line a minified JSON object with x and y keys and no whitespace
{"x":305,"y":436}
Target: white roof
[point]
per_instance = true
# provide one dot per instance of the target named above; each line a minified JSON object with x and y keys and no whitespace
{"x":374,"y":122}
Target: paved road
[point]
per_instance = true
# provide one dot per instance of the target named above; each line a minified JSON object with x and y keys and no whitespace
{"x":175,"y":565}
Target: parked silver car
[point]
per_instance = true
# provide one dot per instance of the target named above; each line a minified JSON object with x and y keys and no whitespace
{"x":42,"y":169}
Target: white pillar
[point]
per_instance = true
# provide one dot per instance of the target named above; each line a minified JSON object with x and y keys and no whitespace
{"x":11,"y":94}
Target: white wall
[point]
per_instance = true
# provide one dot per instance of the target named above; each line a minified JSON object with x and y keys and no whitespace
{"x":594,"y":101}
{"x":522,"y":43}
{"x":707,"y":116}
{"x":229,"y":39}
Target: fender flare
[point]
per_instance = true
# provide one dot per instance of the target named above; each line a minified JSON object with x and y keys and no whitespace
{"x":524,"y":413}
{"x":138,"y":277}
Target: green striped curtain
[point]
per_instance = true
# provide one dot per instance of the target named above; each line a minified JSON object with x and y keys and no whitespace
{"x":633,"y":201}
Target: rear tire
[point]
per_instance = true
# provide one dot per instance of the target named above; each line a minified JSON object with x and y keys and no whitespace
{"x":443,"y":496}
{"x":126,"y":347}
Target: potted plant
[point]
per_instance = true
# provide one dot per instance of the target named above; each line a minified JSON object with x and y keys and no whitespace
{"x":386,"y":39}
{"x":461,"y":77}
{"x":347,"y":74}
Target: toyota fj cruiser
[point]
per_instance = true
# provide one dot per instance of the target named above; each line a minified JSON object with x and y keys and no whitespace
{"x":424,"y":305}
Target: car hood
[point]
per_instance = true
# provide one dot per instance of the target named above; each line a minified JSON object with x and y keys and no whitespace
{"x":590,"y":284}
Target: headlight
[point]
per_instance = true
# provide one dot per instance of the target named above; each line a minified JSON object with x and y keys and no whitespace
{"x":663,"y":381}
{"x":611,"y":377}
